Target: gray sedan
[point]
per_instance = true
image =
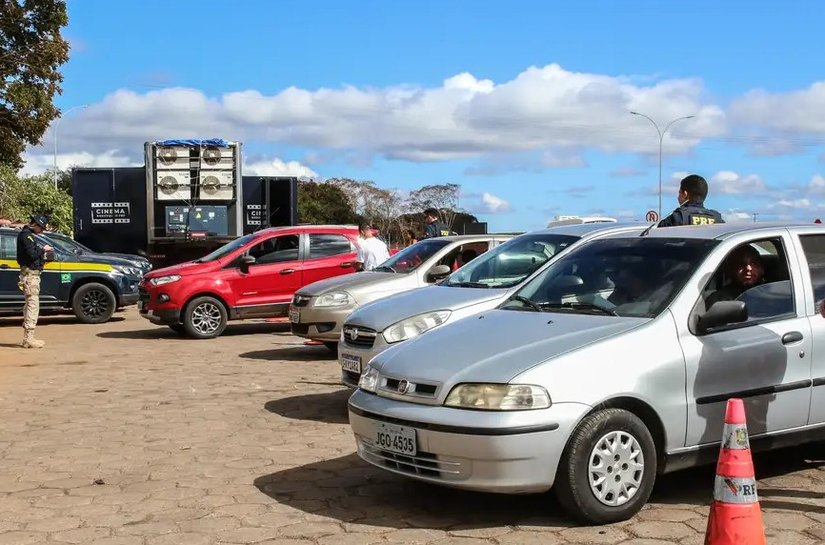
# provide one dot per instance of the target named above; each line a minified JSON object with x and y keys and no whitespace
{"x":480,"y":285}
{"x":611,"y":366}
{"x":318,"y":310}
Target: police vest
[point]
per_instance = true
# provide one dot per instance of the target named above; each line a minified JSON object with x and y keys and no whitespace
{"x":699,"y":215}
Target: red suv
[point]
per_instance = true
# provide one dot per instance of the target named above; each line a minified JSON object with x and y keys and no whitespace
{"x":254,"y":276}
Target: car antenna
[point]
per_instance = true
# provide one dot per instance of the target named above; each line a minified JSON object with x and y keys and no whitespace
{"x":646,"y":231}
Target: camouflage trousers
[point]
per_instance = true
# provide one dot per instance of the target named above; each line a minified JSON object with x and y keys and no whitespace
{"x":29,"y":284}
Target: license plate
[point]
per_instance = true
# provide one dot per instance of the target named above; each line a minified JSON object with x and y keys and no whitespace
{"x":397,"y":439}
{"x":295,"y":316}
{"x":351,"y":363}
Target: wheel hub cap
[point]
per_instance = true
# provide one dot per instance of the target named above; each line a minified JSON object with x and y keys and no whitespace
{"x":616,"y":468}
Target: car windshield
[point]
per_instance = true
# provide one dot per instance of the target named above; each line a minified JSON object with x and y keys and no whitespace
{"x":633,"y":277}
{"x":511,"y":262}
{"x":226,"y":249}
{"x":411,"y":257}
{"x":67,"y":243}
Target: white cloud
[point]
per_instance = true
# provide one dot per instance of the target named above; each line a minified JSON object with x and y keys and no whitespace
{"x":36,"y":164}
{"x":727,"y":182}
{"x":542,"y":108}
{"x":278,"y":167}
{"x":817,"y":185}
{"x":485,"y":203}
{"x":737,"y":217}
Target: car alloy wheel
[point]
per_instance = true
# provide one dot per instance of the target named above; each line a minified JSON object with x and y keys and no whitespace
{"x":206,"y":318}
{"x":95,"y":303}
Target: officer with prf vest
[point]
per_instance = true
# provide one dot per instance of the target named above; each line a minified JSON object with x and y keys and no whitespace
{"x":693,"y":190}
{"x":31,"y":257}
{"x":434,"y":227}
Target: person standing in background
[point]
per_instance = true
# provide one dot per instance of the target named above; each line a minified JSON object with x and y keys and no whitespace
{"x":32,"y":258}
{"x":372,"y":251}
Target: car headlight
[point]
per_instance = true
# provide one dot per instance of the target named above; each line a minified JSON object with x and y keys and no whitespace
{"x":334,"y":299}
{"x":498,"y":397}
{"x":161,"y":280}
{"x":416,"y":325}
{"x":133,"y":271}
{"x":369,"y":379}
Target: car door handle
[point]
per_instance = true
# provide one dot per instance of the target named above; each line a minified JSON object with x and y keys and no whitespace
{"x":346,"y":264}
{"x":287,"y":271}
{"x":791,"y":337}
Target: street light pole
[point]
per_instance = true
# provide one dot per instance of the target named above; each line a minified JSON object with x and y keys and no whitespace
{"x":54,"y":134}
{"x":661,"y":138}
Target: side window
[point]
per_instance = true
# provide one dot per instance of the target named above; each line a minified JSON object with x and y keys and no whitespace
{"x":326,"y":245}
{"x":8,"y":247}
{"x":756,"y":273}
{"x":276,"y":250}
{"x":814,"y":247}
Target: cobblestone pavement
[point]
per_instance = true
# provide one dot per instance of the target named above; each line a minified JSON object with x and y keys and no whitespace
{"x":126,"y":434}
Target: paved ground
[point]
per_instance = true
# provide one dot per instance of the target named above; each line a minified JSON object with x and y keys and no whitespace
{"x":126,"y":434}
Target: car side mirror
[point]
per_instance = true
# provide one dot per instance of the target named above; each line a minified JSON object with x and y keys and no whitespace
{"x":439,"y":272}
{"x":246,"y":261}
{"x":722,"y":313}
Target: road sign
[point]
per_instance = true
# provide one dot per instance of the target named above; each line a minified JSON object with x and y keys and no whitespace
{"x":652,"y":215}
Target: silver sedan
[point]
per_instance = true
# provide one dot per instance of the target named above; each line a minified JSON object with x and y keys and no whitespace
{"x":611,"y":366}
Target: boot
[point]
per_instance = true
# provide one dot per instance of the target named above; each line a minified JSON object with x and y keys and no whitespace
{"x":30,"y":342}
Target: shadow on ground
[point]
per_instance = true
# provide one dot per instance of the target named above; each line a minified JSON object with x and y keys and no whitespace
{"x":291,"y":353}
{"x":50,"y":320}
{"x":162,"y":332}
{"x":347,"y":489}
{"x":328,"y":407}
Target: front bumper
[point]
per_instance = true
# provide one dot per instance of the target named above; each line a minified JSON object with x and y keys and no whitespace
{"x":318,"y":324}
{"x":162,"y":317}
{"x":128,"y":299}
{"x":502,"y":452}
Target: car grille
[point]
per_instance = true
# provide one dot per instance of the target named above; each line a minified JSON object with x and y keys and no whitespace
{"x":300,"y":300}
{"x":299,"y":329}
{"x":423,"y":463}
{"x":359,"y":336}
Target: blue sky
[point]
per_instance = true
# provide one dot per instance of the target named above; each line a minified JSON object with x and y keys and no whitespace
{"x":525,"y":104}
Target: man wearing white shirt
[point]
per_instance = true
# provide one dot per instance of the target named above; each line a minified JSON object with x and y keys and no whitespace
{"x":371,"y":250}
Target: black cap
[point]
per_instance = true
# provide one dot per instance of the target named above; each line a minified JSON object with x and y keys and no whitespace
{"x":40,"y":220}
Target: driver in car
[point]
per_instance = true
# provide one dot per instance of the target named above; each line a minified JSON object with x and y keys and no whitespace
{"x":745,"y":269}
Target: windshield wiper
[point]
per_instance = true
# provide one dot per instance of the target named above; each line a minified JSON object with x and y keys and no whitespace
{"x":528,"y":302}
{"x":385,"y":268}
{"x":468,"y":285}
{"x":583,"y":306}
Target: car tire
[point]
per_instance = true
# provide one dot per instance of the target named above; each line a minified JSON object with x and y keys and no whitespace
{"x":204,"y":318}
{"x":94,"y":303}
{"x":583,"y":466}
{"x":332,"y":347}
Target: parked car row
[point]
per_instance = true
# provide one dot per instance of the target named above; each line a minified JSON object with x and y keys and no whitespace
{"x":588,"y":360}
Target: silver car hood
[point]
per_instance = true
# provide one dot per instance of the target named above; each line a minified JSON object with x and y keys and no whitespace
{"x":496,"y":346}
{"x":348,"y":281}
{"x":385,"y":312}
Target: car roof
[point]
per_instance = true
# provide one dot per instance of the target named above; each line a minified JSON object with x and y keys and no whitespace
{"x":582,"y":229}
{"x":719,"y":231}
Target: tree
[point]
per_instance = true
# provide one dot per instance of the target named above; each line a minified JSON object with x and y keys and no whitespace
{"x":31,"y":51}
{"x":323,"y":203}
{"x":20,"y":197}
{"x":442,"y":197}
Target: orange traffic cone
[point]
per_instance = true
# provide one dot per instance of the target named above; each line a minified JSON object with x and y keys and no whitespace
{"x":735,"y":516}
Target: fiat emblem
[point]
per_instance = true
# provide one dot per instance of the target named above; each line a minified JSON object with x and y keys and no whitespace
{"x":403,"y":387}
{"x":353,"y":333}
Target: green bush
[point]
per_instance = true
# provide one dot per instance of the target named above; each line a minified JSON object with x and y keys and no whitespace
{"x":22,"y":196}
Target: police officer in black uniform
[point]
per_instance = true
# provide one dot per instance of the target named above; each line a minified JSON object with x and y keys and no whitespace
{"x":31,"y":257}
{"x":693,"y":190}
{"x":434,"y":227}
